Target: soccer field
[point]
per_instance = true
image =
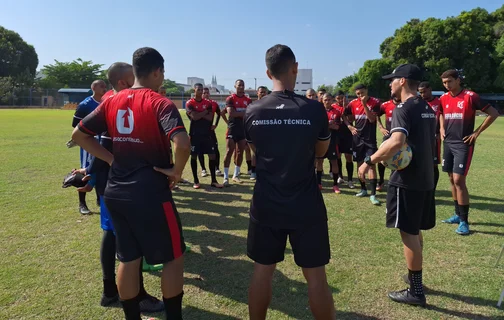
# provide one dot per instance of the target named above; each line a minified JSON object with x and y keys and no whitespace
{"x":50,"y":266}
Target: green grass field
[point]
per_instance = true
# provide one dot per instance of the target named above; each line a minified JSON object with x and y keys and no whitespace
{"x":50,"y":266}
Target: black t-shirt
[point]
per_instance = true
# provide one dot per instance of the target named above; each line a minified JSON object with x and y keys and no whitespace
{"x":284,"y":128}
{"x":416,"y":119}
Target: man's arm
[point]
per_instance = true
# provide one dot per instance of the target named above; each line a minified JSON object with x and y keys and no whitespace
{"x":324,"y":135}
{"x":235,"y":114}
{"x":371,"y":116}
{"x":441,"y":126}
{"x":492,"y":115}
{"x":321,"y":147}
{"x":87,"y":142}
{"x":383,"y":130}
{"x":389,"y":147}
{"x":200,"y":115}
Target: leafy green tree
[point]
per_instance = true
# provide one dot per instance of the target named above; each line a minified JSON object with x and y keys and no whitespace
{"x":17,"y":58}
{"x":75,"y":74}
{"x":347,"y":83}
{"x":371,"y":75}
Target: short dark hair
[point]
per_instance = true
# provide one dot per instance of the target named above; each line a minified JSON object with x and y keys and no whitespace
{"x":206,"y":89}
{"x":360,"y":86}
{"x":197,"y":85}
{"x":424,"y":84}
{"x":262,"y":87}
{"x":452,"y":73}
{"x":322,"y":90}
{"x":279,"y":59}
{"x":413,"y":84}
{"x":340,"y":93}
{"x":116,"y":72}
{"x":146,"y":60}
{"x":238,"y":80}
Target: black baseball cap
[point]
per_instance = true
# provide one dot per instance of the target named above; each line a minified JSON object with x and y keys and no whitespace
{"x":407,"y":70}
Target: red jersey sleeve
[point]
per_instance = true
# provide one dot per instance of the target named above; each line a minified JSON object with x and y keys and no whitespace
{"x":477,"y":103}
{"x":215,"y":106}
{"x":229,"y":102}
{"x":189,"y":106}
{"x":96,"y":122}
{"x":168,"y":117}
{"x":375,"y":107}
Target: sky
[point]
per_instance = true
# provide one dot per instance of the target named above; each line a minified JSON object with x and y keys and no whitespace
{"x":223,"y":38}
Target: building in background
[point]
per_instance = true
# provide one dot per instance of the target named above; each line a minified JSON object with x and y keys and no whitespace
{"x":304,"y":81}
{"x":193,"y":80}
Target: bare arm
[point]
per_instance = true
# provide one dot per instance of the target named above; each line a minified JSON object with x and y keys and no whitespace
{"x":492,"y":115}
{"x":371,"y":116}
{"x":91,"y":145}
{"x":352,"y":129}
{"x":389,"y":147}
{"x":321,"y":147}
{"x":197,"y":115}
{"x":441,"y":126}
{"x":223,"y":115}
{"x":182,"y":151}
{"x":383,"y":130}
{"x":235,"y":114}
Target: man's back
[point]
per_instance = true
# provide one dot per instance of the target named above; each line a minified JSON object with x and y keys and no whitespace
{"x":138,"y":121}
{"x":284,"y":128}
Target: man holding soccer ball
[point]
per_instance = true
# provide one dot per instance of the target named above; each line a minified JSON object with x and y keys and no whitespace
{"x":410,"y":197}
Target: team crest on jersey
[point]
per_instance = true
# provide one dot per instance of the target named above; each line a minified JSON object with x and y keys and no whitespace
{"x":125,"y":121}
{"x":447,"y":106}
{"x":460,"y":104}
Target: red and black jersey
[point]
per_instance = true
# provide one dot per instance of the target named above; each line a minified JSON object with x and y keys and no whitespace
{"x":141,"y":124}
{"x":459,"y":113}
{"x":107,"y":95}
{"x":343,"y":130}
{"x":387,"y":109}
{"x":239,"y":104}
{"x":366,"y":129}
{"x":201,"y":126}
{"x":434,"y":104}
{"x":334,"y":116}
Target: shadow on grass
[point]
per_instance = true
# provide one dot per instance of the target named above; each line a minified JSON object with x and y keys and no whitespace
{"x":465,"y":299}
{"x":461,"y":315}
{"x":493,"y":207}
{"x":487,"y":224}
{"x":190,"y":312}
{"x":491,"y":233}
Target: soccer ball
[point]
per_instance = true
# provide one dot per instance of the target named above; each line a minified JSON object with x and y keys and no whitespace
{"x":400,"y":160}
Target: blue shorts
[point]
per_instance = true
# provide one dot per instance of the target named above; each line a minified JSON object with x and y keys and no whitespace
{"x":106,"y":222}
{"x":85,"y":158}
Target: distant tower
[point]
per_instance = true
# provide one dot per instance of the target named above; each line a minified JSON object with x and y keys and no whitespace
{"x":214,"y":81}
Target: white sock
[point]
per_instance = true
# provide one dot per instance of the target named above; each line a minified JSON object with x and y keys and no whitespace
{"x":226,"y":173}
{"x":236,"y":172}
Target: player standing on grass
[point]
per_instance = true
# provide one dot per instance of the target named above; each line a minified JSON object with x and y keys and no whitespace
{"x":458,"y":112}
{"x":410,"y":195}
{"x":387,"y":109}
{"x":236,"y":104}
{"x":344,"y":143}
{"x":142,"y":125}
{"x":334,"y":120}
{"x":364,"y":134}
{"x":217,"y":114}
{"x":84,"y":108}
{"x":200,"y":111}
{"x":286,"y":132}
{"x":425,"y":91}
{"x":120,"y":75}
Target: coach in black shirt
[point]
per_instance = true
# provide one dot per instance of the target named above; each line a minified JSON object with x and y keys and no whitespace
{"x":410,"y":197}
{"x":286,"y":131}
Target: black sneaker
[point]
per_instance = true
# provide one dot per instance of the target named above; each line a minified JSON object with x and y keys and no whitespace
{"x":107,"y":301}
{"x":83,"y":209}
{"x":405,"y":296}
{"x":151,"y":304}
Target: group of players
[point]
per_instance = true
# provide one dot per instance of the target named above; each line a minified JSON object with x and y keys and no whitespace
{"x":145,"y":220}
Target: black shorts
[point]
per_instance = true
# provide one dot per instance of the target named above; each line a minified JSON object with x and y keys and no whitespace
{"x":333,"y":151}
{"x":235,"y":134}
{"x":202,"y":145}
{"x":345,"y":144}
{"x":214,"y":137}
{"x":310,"y":245}
{"x":437,"y":155}
{"x":151,"y":229}
{"x":410,"y":210}
{"x":362,"y":149}
{"x":457,"y":158}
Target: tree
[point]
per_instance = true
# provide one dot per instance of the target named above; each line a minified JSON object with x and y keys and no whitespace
{"x":172,"y":87}
{"x":17,"y":58}
{"x":347,"y":83}
{"x":75,"y":74}
{"x":371,"y":75}
{"x":328,"y":88}
{"x":189,"y":92}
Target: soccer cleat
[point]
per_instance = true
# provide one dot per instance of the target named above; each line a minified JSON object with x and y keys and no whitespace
{"x":237,"y":180}
{"x":218,"y":173}
{"x":336,"y":189}
{"x":226,"y":182}
{"x":253,"y":176}
{"x":341,"y":181}
{"x":452,"y":220}
{"x":196,"y":186}
{"x":107,"y":301}
{"x":351,"y":185}
{"x":204,"y":173}
{"x":83,"y":209}
{"x":380,"y":187}
{"x":151,"y":304}
{"x":217,"y":185}
{"x":405,"y":296}
{"x":362,"y":193}
{"x":374,"y":201}
{"x":463,"y":228}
